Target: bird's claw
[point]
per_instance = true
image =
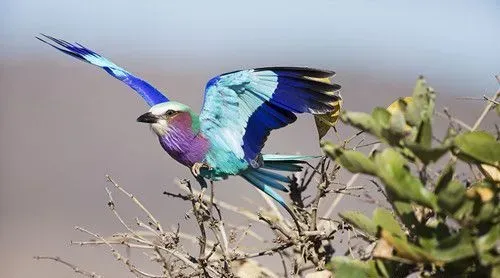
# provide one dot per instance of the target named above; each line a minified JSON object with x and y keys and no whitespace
{"x":196,"y":168}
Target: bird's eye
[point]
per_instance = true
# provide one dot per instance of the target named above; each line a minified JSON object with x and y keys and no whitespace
{"x":170,"y":112}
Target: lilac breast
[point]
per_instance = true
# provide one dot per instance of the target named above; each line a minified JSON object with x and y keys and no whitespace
{"x":184,"y":146}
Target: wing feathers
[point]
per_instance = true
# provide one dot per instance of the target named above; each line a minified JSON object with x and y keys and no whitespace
{"x":251,"y":103}
{"x":150,"y":94}
{"x":298,"y":71}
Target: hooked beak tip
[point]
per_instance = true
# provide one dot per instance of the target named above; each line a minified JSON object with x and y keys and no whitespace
{"x":147,"y":118}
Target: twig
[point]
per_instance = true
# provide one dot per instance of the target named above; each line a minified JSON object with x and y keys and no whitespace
{"x":136,"y":201}
{"x":348,"y":140}
{"x":274,"y":225}
{"x":447,"y":115}
{"x":321,"y":190}
{"x":118,"y":256}
{"x":285,"y":270}
{"x":491,"y":100}
{"x":272,"y":205}
{"x":368,"y":144}
{"x":225,"y":241}
{"x":199,"y":219}
{"x":224,"y":205}
{"x":264,"y":252}
{"x":111,"y":205}
{"x":485,"y":111}
{"x":75,"y":268}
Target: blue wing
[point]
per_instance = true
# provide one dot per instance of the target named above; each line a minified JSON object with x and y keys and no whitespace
{"x":241,"y":108}
{"x":150,"y":94}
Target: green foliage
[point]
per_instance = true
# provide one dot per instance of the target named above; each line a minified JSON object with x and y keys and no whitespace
{"x":440,"y":226}
{"x":344,"y":267}
{"x":478,"y":146}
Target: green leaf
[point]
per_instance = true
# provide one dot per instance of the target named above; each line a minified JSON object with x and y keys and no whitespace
{"x":486,"y":212}
{"x":362,"y":121}
{"x":425,"y":154}
{"x":424,"y":135}
{"x":479,"y":146}
{"x":381,"y":116}
{"x":382,"y":269}
{"x":455,"y":247}
{"x":464,"y":212}
{"x":360,"y":221}
{"x":354,"y":161}
{"x":445,"y":177}
{"x":488,"y":240}
{"x":405,"y":212}
{"x":451,"y":196}
{"x":397,"y":123}
{"x":430,"y":233}
{"x":422,"y":106}
{"x":349,"y":268}
{"x":329,"y":148}
{"x":385,"y":219}
{"x":495,"y":270}
{"x":393,"y":172}
{"x":407,"y":250}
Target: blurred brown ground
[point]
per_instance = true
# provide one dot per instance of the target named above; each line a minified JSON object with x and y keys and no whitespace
{"x":64,"y":126}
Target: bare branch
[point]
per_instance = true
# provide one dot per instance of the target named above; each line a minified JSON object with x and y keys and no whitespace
{"x":75,"y":268}
{"x":488,"y":107}
{"x":136,"y":201}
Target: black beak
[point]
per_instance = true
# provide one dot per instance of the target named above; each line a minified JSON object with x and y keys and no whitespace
{"x":147,"y":118}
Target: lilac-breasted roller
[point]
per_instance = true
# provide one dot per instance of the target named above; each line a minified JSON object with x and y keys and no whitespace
{"x":239,"y":111}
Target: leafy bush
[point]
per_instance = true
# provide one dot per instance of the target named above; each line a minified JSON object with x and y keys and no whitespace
{"x":440,"y":225}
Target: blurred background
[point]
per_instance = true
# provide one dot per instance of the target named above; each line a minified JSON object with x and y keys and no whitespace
{"x":64,"y":125}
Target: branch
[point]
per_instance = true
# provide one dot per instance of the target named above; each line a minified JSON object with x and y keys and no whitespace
{"x":70,"y":265}
{"x":120,"y":257}
{"x":223,"y":204}
{"x":153,"y":219}
{"x":486,"y":110}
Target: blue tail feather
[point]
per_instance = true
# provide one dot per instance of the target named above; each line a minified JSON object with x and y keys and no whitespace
{"x":271,"y":175}
{"x":282,"y":166}
{"x":266,"y":180}
{"x":264,"y":187}
{"x":286,"y":157}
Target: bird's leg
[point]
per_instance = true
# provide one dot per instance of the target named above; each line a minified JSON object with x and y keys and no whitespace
{"x":201,"y":181}
{"x":196,"y":168}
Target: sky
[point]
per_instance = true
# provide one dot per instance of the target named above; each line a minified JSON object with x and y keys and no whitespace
{"x":455,"y":40}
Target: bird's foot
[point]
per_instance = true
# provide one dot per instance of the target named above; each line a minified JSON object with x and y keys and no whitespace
{"x":196,"y":168}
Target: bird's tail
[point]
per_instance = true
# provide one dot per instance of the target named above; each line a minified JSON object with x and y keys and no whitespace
{"x":266,"y":178}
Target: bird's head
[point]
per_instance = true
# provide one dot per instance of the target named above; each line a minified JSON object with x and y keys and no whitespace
{"x":170,"y":116}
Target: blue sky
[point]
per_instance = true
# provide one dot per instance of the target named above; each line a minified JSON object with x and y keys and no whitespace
{"x":451,"y":39}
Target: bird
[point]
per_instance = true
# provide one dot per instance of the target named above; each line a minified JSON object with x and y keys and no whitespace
{"x":239,"y":111}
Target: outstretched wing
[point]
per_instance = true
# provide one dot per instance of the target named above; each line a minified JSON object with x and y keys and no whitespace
{"x":150,"y":94}
{"x":241,"y":108}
